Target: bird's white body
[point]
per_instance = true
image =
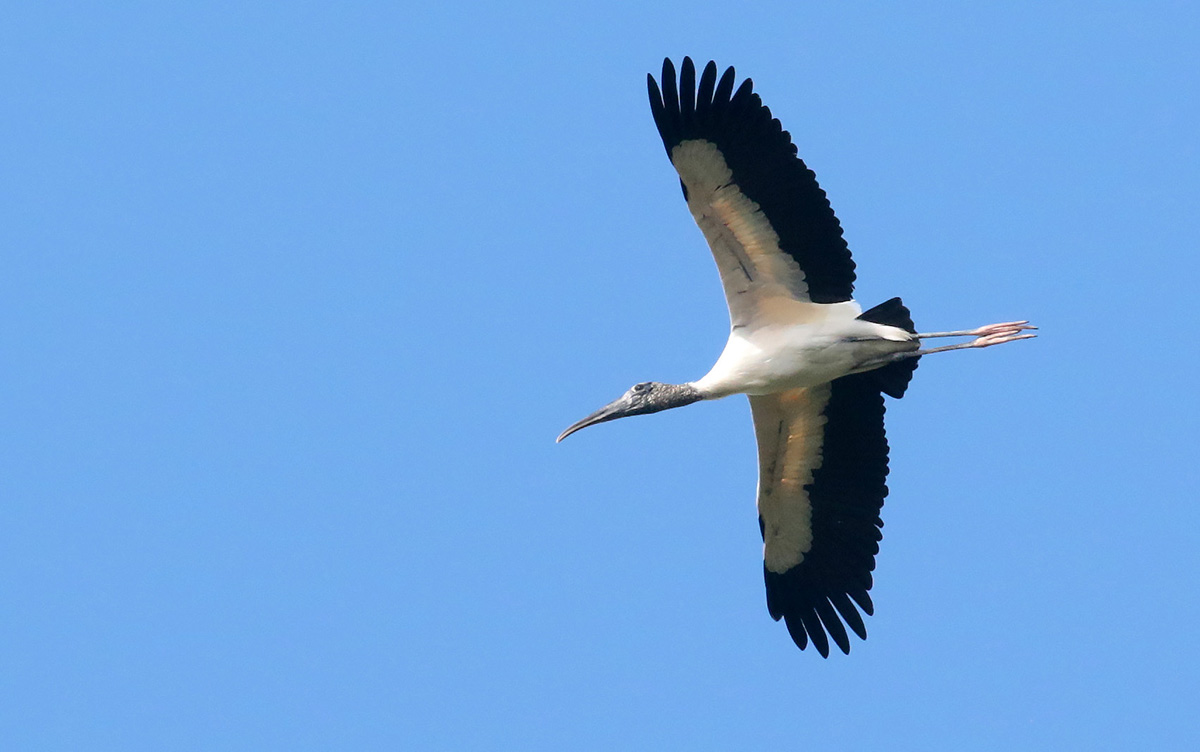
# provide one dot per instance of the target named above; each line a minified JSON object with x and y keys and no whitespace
{"x":769,"y":357}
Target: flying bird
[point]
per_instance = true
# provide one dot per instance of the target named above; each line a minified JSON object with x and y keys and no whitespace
{"x":814,"y":365}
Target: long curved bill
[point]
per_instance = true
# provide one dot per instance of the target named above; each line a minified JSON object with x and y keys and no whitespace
{"x":611,"y":411}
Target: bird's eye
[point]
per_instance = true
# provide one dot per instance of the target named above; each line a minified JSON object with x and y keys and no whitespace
{"x":641,"y":387}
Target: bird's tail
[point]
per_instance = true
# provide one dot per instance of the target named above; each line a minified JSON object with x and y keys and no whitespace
{"x":894,"y":377}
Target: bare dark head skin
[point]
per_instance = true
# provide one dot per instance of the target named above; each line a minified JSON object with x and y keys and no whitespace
{"x":641,"y":399}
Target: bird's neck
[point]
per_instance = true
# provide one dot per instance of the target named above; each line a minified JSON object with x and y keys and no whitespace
{"x":678,"y":395}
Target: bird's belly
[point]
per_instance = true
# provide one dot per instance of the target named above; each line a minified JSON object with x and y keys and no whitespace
{"x":792,"y":368}
{"x":766,"y":365}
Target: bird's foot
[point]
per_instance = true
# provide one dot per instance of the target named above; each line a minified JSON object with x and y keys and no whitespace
{"x":998,"y":334}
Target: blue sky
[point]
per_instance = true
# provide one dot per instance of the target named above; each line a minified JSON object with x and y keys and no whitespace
{"x":297,"y":297}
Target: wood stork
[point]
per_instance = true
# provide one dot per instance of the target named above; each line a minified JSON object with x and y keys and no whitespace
{"x":814,"y":365}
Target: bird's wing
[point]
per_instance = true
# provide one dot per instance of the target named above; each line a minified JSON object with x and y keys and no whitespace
{"x":775,"y":238}
{"x":822,"y":469}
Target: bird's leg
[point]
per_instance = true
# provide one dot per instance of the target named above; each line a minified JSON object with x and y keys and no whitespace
{"x":987,"y":341}
{"x":985,"y":336}
{"x":991,"y":330}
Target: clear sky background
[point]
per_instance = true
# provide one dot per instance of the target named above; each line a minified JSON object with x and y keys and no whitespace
{"x":296,"y":297}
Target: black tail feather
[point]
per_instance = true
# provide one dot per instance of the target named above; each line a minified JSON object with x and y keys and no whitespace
{"x":890,"y":313}
{"x":894,"y":377}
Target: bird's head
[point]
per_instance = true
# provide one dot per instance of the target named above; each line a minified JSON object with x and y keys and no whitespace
{"x":641,"y":399}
